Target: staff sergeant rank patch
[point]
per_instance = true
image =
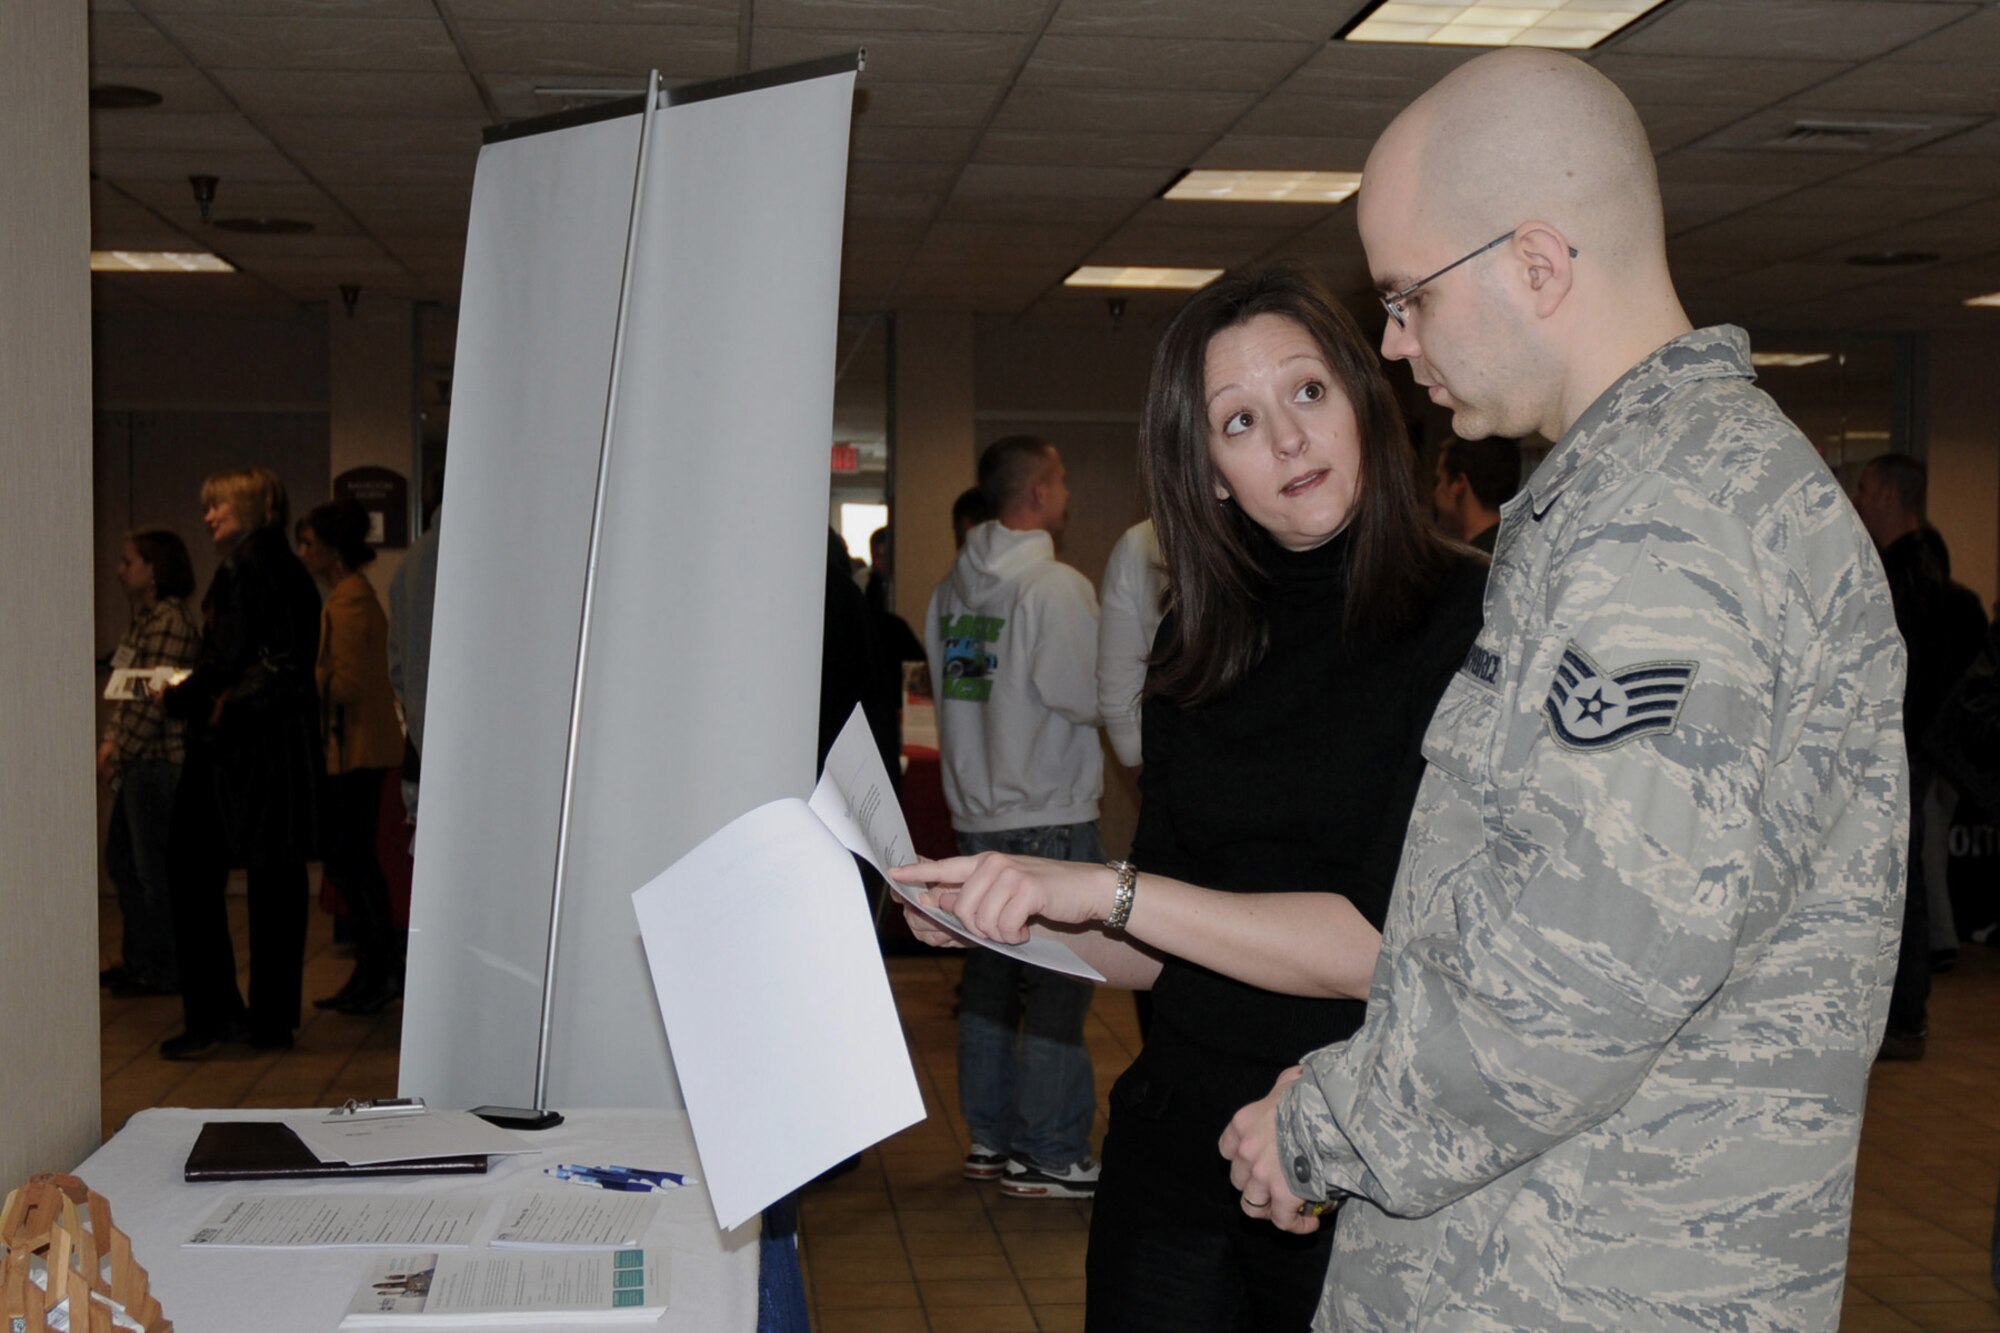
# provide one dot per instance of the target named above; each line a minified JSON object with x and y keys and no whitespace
{"x":1590,"y":708}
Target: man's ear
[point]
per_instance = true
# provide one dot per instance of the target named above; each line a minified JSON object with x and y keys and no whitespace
{"x":1546,"y":260}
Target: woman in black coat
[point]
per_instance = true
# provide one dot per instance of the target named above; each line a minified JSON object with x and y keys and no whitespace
{"x":247,"y":795}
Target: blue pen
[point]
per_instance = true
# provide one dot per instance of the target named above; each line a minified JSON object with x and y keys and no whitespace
{"x":631,"y":1179}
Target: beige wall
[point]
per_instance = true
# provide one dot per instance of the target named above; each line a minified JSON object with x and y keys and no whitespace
{"x":935,"y":449}
{"x":1964,"y":455}
{"x":48,"y":951}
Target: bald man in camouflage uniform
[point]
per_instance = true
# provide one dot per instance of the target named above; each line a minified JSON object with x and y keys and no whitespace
{"x":1638,"y":958}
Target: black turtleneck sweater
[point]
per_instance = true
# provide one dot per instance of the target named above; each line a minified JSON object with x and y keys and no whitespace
{"x":1300,"y":779}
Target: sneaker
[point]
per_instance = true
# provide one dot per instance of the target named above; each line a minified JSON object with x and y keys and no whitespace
{"x":1025,"y":1180}
{"x":1902,"y":1046}
{"x":982,"y":1163}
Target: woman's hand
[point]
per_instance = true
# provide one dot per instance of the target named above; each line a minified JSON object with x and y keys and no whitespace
{"x":929,"y":931}
{"x":1251,"y":1145}
{"x":997,"y":895}
{"x":107,"y":763}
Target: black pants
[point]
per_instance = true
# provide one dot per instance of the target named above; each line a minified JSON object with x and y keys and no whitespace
{"x":1170,"y":1249}
{"x":198,"y":867}
{"x":1909,"y":997}
{"x":352,"y":814}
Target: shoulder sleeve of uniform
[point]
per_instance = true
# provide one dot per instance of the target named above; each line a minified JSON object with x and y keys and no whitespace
{"x":1581,"y":934}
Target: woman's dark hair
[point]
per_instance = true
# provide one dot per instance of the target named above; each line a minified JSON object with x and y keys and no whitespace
{"x":343,"y":525}
{"x":1219,"y":630}
{"x":173,"y":572}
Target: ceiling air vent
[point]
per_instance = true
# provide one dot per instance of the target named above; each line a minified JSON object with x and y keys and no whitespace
{"x":1790,"y":130}
{"x":1858,"y":136}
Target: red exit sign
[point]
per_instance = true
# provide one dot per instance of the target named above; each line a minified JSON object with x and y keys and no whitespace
{"x":846,"y":458}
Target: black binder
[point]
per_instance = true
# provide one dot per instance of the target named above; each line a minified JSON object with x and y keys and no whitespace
{"x":268,"y":1150}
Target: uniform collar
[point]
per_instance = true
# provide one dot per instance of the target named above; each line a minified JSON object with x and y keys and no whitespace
{"x":1720,"y":351}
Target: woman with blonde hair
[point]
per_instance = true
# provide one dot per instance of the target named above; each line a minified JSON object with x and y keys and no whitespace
{"x":247,"y":796}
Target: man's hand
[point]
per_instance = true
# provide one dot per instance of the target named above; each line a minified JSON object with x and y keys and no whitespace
{"x":107,"y":763}
{"x":1251,"y":1145}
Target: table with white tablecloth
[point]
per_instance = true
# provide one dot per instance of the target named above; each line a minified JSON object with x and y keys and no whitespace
{"x":712,"y":1279}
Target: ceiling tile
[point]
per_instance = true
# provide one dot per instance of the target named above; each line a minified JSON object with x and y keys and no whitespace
{"x":930,"y":178}
{"x":906,"y":143}
{"x":1982,"y":141}
{"x":1737,"y":79}
{"x":400,"y":223}
{"x":601,"y":48}
{"x":1284,"y":152}
{"x":1113,"y":110}
{"x":1200,"y":213}
{"x":128,"y":39}
{"x":333,"y":169}
{"x":1942,"y":163}
{"x":1178,"y":249}
{"x":1671,"y":127}
{"x":709,"y":13}
{"x":1886,"y":87}
{"x":1703,"y":166}
{"x":1372,"y":72}
{"x":934,"y":104}
{"x":386,"y":135}
{"x":431,"y":196}
{"x":1033,"y":208}
{"x":903,"y":15}
{"x":309,"y":9}
{"x":177,"y":164}
{"x":1973,"y":40}
{"x":311,"y":92}
{"x":1134,"y":183}
{"x":258,"y":252}
{"x":224,"y":130}
{"x":890,"y":204}
{"x":1164,"y":62}
{"x":898,"y":57}
{"x":1280,"y":20}
{"x":1866,"y":205}
{"x":1789,"y":28}
{"x":1172,"y":151}
{"x":182,"y":88}
{"x":225,"y":42}
{"x":1309,"y":114}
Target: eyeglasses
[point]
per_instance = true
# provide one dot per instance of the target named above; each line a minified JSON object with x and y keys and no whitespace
{"x":1393,"y":303}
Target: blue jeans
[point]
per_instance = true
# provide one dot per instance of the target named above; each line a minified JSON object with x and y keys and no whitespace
{"x":1024,"y":1080}
{"x":135,"y":857}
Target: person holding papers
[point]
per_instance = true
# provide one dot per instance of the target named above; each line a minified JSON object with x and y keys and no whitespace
{"x":1316,"y":618}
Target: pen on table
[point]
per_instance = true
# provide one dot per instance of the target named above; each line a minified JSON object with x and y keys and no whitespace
{"x":632,"y":1179}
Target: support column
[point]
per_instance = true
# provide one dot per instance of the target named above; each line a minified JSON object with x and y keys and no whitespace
{"x":372,"y":396}
{"x":48,"y":873}
{"x":935,"y":451}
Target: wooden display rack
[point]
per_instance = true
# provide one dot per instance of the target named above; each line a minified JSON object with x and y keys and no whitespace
{"x":62,"y":1226}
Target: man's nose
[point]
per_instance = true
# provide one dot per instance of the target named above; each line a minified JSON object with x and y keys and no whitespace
{"x":1398,"y":343}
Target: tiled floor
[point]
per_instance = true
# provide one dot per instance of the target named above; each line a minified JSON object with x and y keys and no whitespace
{"x":904,"y":1244}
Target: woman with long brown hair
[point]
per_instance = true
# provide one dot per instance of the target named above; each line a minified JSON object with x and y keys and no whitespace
{"x":1315,"y":616}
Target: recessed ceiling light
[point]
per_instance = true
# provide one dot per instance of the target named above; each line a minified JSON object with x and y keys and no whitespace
{"x":1894,"y":258}
{"x":1569,"y":25}
{"x":122,"y":97}
{"x":1990,"y":299}
{"x":1790,"y":360}
{"x":157,"y":261}
{"x":1156,"y":279}
{"x":266,"y":226}
{"x":1265,"y":187}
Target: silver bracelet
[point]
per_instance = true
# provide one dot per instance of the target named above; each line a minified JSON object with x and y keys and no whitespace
{"x":1121,"y":897}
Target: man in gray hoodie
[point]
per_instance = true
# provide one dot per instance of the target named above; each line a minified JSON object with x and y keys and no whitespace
{"x":1011,"y":635}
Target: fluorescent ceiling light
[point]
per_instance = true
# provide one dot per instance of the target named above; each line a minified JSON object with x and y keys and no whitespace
{"x":1156,"y":279}
{"x":157,"y":261}
{"x":1990,"y":299}
{"x":1266,"y":187}
{"x":1562,"y":24}
{"x":1791,"y":360}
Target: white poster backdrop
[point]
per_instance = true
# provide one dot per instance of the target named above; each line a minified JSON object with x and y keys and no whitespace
{"x":702,"y":690}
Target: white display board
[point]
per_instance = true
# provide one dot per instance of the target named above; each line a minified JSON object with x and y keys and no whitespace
{"x":700,"y":697}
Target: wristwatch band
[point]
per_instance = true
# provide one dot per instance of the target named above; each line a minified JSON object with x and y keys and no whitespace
{"x":1121,"y":897}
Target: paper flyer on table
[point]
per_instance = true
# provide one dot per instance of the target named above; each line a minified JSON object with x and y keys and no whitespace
{"x":577,"y":1219}
{"x":361,"y":1140}
{"x":855,"y":799}
{"x":481,"y":1289}
{"x":325,"y":1221}
{"x":777,"y":1006}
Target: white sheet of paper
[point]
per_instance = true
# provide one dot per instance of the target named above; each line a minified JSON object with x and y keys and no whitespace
{"x":317,"y":1221}
{"x":130,"y":682}
{"x":855,"y":800}
{"x":777,"y":1006}
{"x":481,"y":1289}
{"x":587,"y":1219}
{"x":360,"y":1140}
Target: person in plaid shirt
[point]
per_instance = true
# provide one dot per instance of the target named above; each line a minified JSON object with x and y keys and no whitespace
{"x":140,"y":758}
